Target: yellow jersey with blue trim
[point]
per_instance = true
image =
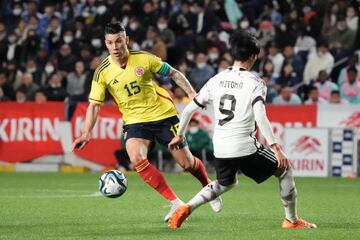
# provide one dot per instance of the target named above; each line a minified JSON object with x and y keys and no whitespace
{"x":133,"y":89}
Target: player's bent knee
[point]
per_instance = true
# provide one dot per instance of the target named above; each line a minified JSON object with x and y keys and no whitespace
{"x":136,"y":158}
{"x":280,"y":172}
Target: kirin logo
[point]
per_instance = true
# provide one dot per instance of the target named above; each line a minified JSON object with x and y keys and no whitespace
{"x":307,"y":145}
{"x":353,"y":121}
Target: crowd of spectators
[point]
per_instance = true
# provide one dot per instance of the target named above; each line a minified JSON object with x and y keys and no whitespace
{"x":309,"y":49}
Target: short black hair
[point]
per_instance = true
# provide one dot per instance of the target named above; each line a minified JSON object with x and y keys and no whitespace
{"x":243,"y":44}
{"x":113,"y":28}
{"x":335,"y":92}
{"x":352,"y":69}
{"x":313,"y":88}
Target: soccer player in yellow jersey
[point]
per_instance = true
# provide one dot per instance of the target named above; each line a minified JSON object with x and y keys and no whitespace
{"x":148,"y":111}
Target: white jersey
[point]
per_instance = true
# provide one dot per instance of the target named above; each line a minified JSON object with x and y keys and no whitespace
{"x":232,"y":93}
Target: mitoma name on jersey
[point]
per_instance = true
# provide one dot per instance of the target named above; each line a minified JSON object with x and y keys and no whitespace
{"x":231,"y":84}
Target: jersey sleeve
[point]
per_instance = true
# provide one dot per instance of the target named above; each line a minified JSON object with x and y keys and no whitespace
{"x":204,"y":96}
{"x":158,"y":66}
{"x":98,"y":89}
{"x":259,"y":93}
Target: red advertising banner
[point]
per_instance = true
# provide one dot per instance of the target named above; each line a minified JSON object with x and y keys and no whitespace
{"x":29,"y":130}
{"x":106,"y":135}
{"x":291,"y":116}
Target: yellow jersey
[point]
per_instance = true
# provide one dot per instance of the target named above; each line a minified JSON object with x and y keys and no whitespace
{"x":133,"y":89}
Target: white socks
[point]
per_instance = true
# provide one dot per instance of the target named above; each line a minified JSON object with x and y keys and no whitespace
{"x":208,"y":193}
{"x":288,"y":195}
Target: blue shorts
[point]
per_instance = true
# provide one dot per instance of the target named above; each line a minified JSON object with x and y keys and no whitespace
{"x":162,"y":131}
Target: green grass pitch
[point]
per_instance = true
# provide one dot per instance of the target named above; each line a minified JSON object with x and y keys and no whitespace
{"x":67,"y":206}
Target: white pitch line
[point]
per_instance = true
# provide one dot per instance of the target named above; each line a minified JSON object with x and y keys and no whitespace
{"x":96,"y":194}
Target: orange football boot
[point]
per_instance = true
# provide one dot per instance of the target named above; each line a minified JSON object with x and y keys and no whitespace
{"x":180,"y":214}
{"x":299,"y":223}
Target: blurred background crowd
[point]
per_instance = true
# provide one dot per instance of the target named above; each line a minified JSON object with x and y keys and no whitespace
{"x":309,"y":49}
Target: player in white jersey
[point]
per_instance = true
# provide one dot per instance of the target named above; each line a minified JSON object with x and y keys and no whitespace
{"x":238,"y":99}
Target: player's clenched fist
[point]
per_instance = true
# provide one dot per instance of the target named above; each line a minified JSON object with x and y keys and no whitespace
{"x":175,"y":142}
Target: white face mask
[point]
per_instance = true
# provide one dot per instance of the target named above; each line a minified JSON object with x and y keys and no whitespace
{"x":190,"y":57}
{"x":162,"y":26}
{"x":12,"y":39}
{"x":193,"y":129}
{"x":201,"y":65}
{"x":17,"y":11}
{"x":244,"y":24}
{"x":133,"y":26}
{"x":31,"y":70}
{"x":49,"y":69}
{"x":213,"y":56}
{"x":101,"y":9}
{"x":283,"y":27}
{"x":68,"y":39}
{"x":96,"y":43}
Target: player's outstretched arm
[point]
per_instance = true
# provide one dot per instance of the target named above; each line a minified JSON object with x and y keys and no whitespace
{"x":184,"y":121}
{"x":266,"y":130}
{"x":90,"y":120}
{"x":182,"y":82}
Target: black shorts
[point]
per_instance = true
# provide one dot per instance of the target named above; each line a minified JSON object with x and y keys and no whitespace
{"x":162,"y":131}
{"x":259,"y":166}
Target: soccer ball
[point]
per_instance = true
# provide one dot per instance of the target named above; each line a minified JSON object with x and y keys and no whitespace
{"x":112,"y":184}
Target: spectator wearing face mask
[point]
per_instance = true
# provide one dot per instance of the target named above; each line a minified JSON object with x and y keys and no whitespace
{"x":322,"y":59}
{"x":15,"y":16}
{"x":244,"y":23}
{"x":68,"y":38}
{"x":199,"y":141}
{"x":48,"y":70}
{"x":350,"y":90}
{"x":31,"y":67}
{"x":135,"y":30}
{"x":213,"y":56}
{"x":14,"y":49}
{"x":202,"y":72}
{"x":165,"y":33}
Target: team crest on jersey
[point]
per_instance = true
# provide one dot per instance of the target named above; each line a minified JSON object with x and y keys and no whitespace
{"x":139,"y":71}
